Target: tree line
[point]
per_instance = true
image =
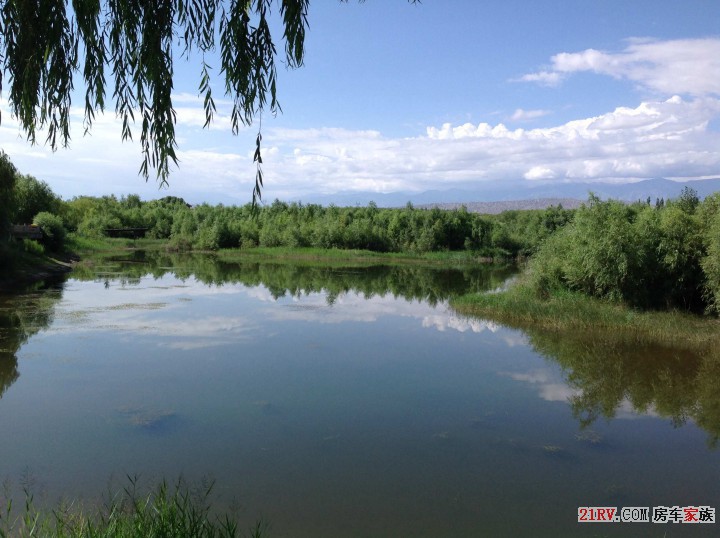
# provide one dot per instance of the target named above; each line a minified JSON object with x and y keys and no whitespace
{"x":279,"y":224}
{"x":282,"y":224}
{"x":662,"y":256}
{"x":658,"y":256}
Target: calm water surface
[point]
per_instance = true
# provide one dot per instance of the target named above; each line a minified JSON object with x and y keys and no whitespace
{"x":348,"y":401}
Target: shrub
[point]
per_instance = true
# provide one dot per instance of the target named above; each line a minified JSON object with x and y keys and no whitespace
{"x":644,"y":257}
{"x":33,"y":247}
{"x":52,"y":229}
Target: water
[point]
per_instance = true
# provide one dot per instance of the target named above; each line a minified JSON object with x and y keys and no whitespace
{"x":345,"y":401}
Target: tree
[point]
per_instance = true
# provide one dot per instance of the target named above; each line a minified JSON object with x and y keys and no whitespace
{"x":688,"y":200}
{"x":44,"y":44}
{"x":52,"y":228}
{"x":31,"y":197}
{"x":8,"y":174}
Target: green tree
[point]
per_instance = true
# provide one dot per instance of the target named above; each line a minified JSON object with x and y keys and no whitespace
{"x":31,"y":197}
{"x":688,"y":200}
{"x":8,"y":174}
{"x":52,"y":229}
{"x":45,"y":45}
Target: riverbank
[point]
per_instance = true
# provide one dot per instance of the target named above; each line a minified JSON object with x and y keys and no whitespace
{"x":519,"y":307}
{"x":22,"y":269}
{"x":363,"y":257}
{"x":26,"y":268}
{"x":23,"y":266}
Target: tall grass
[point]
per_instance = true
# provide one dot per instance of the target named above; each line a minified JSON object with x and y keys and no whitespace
{"x":80,"y":243}
{"x":165,"y":512}
{"x":565,"y":311}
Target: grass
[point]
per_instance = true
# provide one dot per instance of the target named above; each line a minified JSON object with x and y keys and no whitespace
{"x":312,"y":254}
{"x":27,"y":262}
{"x":565,"y":312}
{"x":80,"y":244}
{"x":165,"y":512}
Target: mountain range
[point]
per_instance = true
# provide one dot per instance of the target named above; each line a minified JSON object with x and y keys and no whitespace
{"x":533,"y":195}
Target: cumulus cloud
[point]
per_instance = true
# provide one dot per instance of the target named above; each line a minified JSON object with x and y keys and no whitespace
{"x":681,"y":66}
{"x":539,"y":172}
{"x":656,"y":138}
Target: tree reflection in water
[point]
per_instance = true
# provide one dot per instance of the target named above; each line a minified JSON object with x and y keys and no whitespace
{"x":24,"y":314}
{"x":21,"y":316}
{"x":607,"y":370}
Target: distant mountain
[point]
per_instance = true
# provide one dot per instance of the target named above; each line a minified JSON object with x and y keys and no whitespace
{"x":493,"y":208}
{"x":523,"y":190}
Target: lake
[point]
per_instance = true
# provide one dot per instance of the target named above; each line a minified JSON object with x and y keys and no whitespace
{"x":345,"y":401}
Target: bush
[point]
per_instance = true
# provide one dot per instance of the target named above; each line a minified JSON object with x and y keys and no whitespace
{"x":52,"y":229}
{"x":643,"y":257}
{"x":33,"y":247}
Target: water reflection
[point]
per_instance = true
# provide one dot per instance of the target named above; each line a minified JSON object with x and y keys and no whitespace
{"x":286,"y":293}
{"x":603,"y":377}
{"x":421,"y":283}
{"x":608,"y":377}
{"x":22,"y":316}
{"x":344,"y":401}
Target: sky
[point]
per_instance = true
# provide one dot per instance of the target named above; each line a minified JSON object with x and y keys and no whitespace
{"x":444,"y":94}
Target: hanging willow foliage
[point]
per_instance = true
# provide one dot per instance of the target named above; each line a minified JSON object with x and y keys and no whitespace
{"x":45,"y":43}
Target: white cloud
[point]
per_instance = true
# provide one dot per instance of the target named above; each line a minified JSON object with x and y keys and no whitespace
{"x":662,"y":138}
{"x":539,"y":172}
{"x":527,"y":115}
{"x":551,"y":387}
{"x":442,"y":322}
{"x":658,"y":138}
{"x":544,"y":78}
{"x":681,"y":66}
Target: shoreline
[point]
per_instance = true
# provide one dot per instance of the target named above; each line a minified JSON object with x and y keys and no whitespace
{"x":32,"y":269}
{"x":47,"y":268}
{"x":568,"y":314}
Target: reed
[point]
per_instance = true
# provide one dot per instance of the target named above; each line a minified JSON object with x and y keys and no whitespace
{"x":163,"y":513}
{"x":520,"y":307}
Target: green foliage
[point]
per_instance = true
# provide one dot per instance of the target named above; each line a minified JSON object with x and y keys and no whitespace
{"x":53,"y":230}
{"x":520,"y":233}
{"x":33,"y":247}
{"x":688,"y":200}
{"x":167,"y":511}
{"x":651,"y":257}
{"x":8,"y":174}
{"x":297,"y":225}
{"x":711,"y":263}
{"x":31,"y":197}
{"x":604,"y":348}
{"x":603,"y":259}
{"x":45,"y":45}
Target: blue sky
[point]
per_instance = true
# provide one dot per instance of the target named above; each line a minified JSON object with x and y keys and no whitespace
{"x":439,"y":95}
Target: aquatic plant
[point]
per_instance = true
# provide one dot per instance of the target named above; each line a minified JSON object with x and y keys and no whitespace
{"x":164,"y":512}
